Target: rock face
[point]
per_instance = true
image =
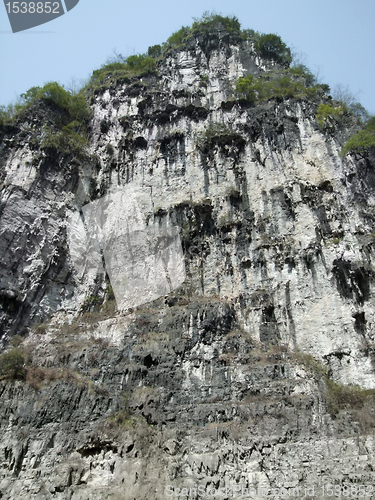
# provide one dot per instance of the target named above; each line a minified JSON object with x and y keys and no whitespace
{"x":213,"y":385}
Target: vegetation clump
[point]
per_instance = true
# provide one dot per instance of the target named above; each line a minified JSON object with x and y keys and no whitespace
{"x":69,"y":131}
{"x":347,"y":397}
{"x":341,"y":397}
{"x":12,"y":364}
{"x":69,"y":134}
{"x":207,"y":23}
{"x":326,"y":112}
{"x":121,"y":69}
{"x":272,"y":47}
{"x":302,"y":71}
{"x":268,"y":46}
{"x":362,"y":141}
{"x":124,"y":69}
{"x":280,"y":84}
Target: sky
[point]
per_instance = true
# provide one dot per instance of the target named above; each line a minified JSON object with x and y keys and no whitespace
{"x":334,"y":38}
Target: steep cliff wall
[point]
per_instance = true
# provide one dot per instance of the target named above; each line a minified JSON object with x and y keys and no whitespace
{"x":208,"y":385}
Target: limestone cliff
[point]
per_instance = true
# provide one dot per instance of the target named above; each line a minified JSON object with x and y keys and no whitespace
{"x":235,"y":377}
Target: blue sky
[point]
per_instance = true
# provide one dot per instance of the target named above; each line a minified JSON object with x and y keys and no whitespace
{"x":336,"y":36}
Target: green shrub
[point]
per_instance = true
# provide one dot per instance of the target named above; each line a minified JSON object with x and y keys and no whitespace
{"x":99,"y":75}
{"x":67,"y":140}
{"x":78,"y":108}
{"x":371,"y":124}
{"x":361,"y":142}
{"x":279,"y":84}
{"x":6,"y":114}
{"x":347,"y":397}
{"x":120,"y":72}
{"x":272,"y":47}
{"x":214,"y":130}
{"x":246,"y":87}
{"x":141,"y":63}
{"x":338,"y":397}
{"x":249,"y":34}
{"x":348,"y":100}
{"x":178,"y":37}
{"x":300,"y":70}
{"x":326,"y":112}
{"x":70,"y":135}
{"x":312,"y":364}
{"x":359,"y":111}
{"x":205,"y":24}
{"x":203,"y":81}
{"x":208,"y":21}
{"x":12,"y":364}
{"x":55,"y":93}
{"x":155,"y":51}
{"x":52,"y":92}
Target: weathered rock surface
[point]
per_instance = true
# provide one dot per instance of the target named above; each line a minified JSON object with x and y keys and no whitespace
{"x":200,"y":388}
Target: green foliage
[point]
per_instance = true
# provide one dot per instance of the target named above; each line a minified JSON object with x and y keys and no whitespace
{"x":120,"y":69}
{"x":359,"y":111}
{"x":75,"y":105}
{"x":327,"y":112}
{"x":12,"y":365}
{"x":279,"y":84}
{"x":371,"y":124}
{"x":110,"y":293}
{"x":178,"y":37}
{"x":246,"y":88}
{"x":67,"y":140}
{"x":206,"y":24}
{"x":155,"y":51}
{"x":208,"y":21}
{"x":141,"y":63}
{"x":31,"y":95}
{"x":348,"y":100}
{"x":312,"y":364}
{"x":6,"y":114}
{"x":78,"y":108}
{"x":361,"y":142}
{"x":119,"y":72}
{"x":55,"y":93}
{"x":347,"y":397}
{"x":213,"y":131}
{"x":272,"y":47}
{"x":300,"y":70}
{"x":338,"y":397}
{"x":249,"y":34}
{"x":70,"y":135}
{"x":203,"y":81}
{"x":112,"y":69}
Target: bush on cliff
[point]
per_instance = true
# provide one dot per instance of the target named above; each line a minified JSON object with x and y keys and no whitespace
{"x":272,"y":47}
{"x":276,"y":84}
{"x":326,"y":112}
{"x":12,"y":365}
{"x":362,"y":141}
{"x":70,"y":130}
{"x":122,"y":71}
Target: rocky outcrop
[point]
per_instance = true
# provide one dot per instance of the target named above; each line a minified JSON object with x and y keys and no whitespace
{"x":211,"y":386}
{"x":175,"y":397}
